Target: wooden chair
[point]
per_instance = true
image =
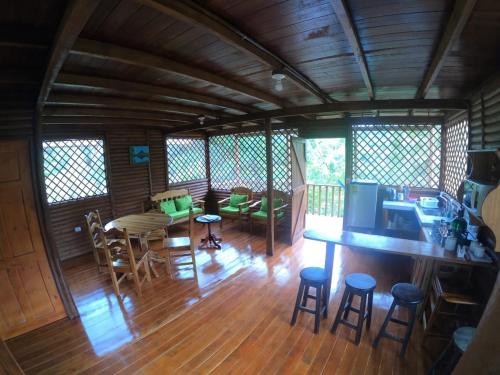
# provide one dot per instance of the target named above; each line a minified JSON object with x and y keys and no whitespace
{"x":258,"y":211}
{"x":93,"y":224}
{"x":176,"y":247}
{"x":122,"y":259}
{"x":237,"y":210}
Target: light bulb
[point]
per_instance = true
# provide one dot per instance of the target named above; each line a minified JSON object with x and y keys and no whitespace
{"x":279,"y":85}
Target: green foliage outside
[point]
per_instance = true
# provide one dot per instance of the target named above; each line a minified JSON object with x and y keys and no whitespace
{"x":325,"y":164}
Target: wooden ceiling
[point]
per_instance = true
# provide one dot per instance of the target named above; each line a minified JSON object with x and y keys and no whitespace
{"x":166,"y":62}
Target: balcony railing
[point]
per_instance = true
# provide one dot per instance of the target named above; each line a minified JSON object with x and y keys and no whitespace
{"x":325,"y":200}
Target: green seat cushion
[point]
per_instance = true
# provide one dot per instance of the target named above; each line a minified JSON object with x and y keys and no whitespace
{"x":185,"y":213}
{"x":236,"y":199}
{"x":183,"y":203}
{"x":278,"y":202}
{"x":262,"y":215}
{"x":168,"y":207}
{"x":233,"y":210}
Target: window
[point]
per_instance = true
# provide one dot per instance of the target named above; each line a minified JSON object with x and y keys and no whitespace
{"x":398,"y":154}
{"x":186,"y":159}
{"x":74,"y":169}
{"x":455,"y":156}
{"x":240,"y":160}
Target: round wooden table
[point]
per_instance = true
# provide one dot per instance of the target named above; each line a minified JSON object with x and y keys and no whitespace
{"x":210,"y":241}
{"x":140,"y":225}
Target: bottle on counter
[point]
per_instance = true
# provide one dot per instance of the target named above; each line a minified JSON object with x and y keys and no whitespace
{"x":459,"y":226}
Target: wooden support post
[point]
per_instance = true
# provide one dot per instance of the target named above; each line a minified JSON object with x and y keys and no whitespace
{"x":270,"y":195}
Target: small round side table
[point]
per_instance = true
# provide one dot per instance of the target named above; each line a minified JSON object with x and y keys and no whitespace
{"x":210,"y":241}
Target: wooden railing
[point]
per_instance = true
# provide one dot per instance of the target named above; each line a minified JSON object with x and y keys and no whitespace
{"x":326,"y":200}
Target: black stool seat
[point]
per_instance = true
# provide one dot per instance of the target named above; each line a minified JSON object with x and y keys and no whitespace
{"x":314,"y":274}
{"x":360,"y":281}
{"x":312,"y":277}
{"x":362,"y":285}
{"x":407,"y":293}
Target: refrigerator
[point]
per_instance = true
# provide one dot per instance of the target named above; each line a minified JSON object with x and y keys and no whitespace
{"x":362,"y":205}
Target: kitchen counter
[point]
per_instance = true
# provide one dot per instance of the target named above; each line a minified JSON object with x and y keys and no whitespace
{"x":423,"y":219}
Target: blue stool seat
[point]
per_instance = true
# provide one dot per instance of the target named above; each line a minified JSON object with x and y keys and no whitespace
{"x":314,"y":274}
{"x":407,"y":294}
{"x":360,"y":281}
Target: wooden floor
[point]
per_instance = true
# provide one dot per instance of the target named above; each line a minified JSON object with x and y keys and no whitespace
{"x":234,"y":319}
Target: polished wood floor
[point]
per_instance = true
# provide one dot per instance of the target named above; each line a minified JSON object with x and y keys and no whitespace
{"x":233,"y":319}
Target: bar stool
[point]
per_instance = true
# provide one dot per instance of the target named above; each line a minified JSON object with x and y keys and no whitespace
{"x":455,"y":348}
{"x":405,"y":295}
{"x":317,"y":278}
{"x":362,"y":285}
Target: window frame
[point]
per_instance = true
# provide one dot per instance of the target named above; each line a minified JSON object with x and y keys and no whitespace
{"x":167,"y":159}
{"x":107,"y":169}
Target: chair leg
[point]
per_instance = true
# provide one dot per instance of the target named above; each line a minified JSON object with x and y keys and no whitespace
{"x":370,"y":307}
{"x":325,"y":301}
{"x":361,"y":318}
{"x":384,"y":325}
{"x":349,"y":304}
{"x":137,"y":282}
{"x":306,"y":296}
{"x":440,"y":359}
{"x":146,"y":267}
{"x":297,"y":303}
{"x":114,"y":281}
{"x":341,"y":310}
{"x":193,"y":259}
{"x":409,"y":329}
{"x":317,"y":311}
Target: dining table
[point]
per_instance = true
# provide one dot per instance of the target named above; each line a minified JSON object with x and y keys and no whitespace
{"x":140,"y":226}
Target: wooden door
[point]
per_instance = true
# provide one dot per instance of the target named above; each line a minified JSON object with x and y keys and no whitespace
{"x":28,"y":294}
{"x":299,"y":188}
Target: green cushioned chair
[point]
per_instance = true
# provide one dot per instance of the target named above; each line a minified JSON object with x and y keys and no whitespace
{"x":236,"y":206}
{"x":178,"y":204}
{"x":258,"y":210}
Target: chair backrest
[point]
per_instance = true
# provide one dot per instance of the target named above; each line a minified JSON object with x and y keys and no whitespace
{"x":278,"y":194}
{"x":117,"y":246}
{"x":241,"y":190}
{"x":167,"y":195}
{"x":93,"y":223}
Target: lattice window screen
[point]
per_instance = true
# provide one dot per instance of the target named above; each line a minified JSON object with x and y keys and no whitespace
{"x":74,"y":169}
{"x":455,"y":156}
{"x":186,"y":159}
{"x":240,"y":160}
{"x":397,"y":154}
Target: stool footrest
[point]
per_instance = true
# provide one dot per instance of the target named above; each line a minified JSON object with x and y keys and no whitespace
{"x":392,"y":337}
{"x":399,"y":321}
{"x":349,"y":324}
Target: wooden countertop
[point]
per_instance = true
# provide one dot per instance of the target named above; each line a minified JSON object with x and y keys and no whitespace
{"x":389,"y":245}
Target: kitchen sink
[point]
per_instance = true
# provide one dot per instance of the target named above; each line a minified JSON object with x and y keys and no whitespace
{"x":431,"y":211}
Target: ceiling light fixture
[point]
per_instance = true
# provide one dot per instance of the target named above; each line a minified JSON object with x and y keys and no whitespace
{"x":201,"y":119}
{"x":278,"y":75}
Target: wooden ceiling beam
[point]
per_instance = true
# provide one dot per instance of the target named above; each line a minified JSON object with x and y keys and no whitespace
{"x":193,"y":13}
{"x":344,"y":16}
{"x":111,"y":52}
{"x":48,"y":120}
{"x":446,"y":104}
{"x":53,"y":111}
{"x":460,"y":14}
{"x":125,"y":103}
{"x":75,"y":17}
{"x":65,"y":80}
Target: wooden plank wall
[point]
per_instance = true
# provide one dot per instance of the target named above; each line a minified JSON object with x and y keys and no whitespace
{"x":129,"y":185}
{"x":485,"y":118}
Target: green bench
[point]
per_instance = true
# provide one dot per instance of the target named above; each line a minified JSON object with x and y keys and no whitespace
{"x":178,"y":204}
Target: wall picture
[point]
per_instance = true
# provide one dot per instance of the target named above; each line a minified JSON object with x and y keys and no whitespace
{"x":139,"y":155}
